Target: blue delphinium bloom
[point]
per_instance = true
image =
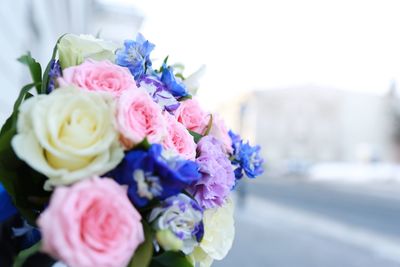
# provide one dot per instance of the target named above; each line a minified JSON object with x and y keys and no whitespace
{"x":246,"y":157}
{"x":150,"y":176}
{"x":174,"y":86}
{"x":54,"y":73}
{"x":135,"y":56}
{"x":7,"y":208}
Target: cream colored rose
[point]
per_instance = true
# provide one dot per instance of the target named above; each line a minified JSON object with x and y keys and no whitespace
{"x":74,"y":49}
{"x":219,"y":232}
{"x":68,"y":135}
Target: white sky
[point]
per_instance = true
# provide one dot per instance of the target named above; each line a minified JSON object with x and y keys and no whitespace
{"x":345,"y":44}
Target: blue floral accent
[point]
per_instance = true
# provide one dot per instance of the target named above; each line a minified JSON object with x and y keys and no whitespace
{"x":247,"y":158}
{"x":54,"y":73}
{"x":7,"y":208}
{"x":28,"y":234}
{"x":150,"y":176}
{"x":135,"y":56}
{"x":174,"y":86}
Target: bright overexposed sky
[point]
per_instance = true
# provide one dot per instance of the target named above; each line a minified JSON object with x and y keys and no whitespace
{"x":345,"y":44}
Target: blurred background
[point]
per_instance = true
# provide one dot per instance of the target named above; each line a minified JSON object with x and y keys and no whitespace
{"x":313,"y":82}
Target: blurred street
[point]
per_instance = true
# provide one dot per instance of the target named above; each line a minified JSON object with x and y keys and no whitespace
{"x":288,"y":223}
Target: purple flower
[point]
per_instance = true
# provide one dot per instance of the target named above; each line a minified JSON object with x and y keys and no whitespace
{"x":159,"y":93}
{"x":217,"y":176}
{"x":54,"y":73}
{"x":183,"y":217}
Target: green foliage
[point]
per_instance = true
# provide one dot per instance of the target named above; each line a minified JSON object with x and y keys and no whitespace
{"x":34,"y":68}
{"x":21,"y":182}
{"x":144,"y":253}
{"x":196,"y":136}
{"x":185,"y":97}
{"x":145,"y":144}
{"x":24,"y":185}
{"x":171,"y":259}
{"x":25,"y":254}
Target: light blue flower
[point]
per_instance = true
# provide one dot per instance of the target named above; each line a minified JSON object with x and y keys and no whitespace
{"x":135,"y":56}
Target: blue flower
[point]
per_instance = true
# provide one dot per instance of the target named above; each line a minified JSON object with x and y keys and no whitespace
{"x":150,"y":176}
{"x":246,"y":157}
{"x":174,"y":86}
{"x":135,"y":56}
{"x":54,"y":73}
{"x":7,"y":208}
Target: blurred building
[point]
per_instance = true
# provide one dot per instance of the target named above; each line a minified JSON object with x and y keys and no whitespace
{"x":301,"y":126}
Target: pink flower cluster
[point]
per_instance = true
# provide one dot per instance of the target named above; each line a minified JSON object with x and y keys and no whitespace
{"x":93,"y":223}
{"x":90,"y":224}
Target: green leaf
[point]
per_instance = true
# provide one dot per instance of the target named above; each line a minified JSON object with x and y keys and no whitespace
{"x":144,"y":253}
{"x":210,"y":122}
{"x":25,"y":254}
{"x":45,"y":82}
{"x":34,"y":68}
{"x":164,"y":63}
{"x":145,"y":144}
{"x":196,"y":136}
{"x":22,"y":95}
{"x":21,"y":182}
{"x":180,"y":75}
{"x":171,"y":259}
{"x":179,"y":68}
{"x":186,"y":97}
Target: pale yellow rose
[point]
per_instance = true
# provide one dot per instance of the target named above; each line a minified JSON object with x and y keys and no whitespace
{"x":219,"y":233}
{"x":68,"y":135}
{"x":74,"y":49}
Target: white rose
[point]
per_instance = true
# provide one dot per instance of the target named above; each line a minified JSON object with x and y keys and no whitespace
{"x":68,"y":135}
{"x":219,"y":232}
{"x":74,"y":49}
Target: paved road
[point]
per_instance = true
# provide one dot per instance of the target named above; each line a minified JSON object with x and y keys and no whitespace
{"x":291,"y":224}
{"x":377,"y":210}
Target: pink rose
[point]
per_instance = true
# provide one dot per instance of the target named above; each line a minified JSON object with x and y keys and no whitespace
{"x":99,"y":76}
{"x":220,"y":132}
{"x":91,"y":224}
{"x":179,"y":139}
{"x":192,"y":116}
{"x":138,"y":116}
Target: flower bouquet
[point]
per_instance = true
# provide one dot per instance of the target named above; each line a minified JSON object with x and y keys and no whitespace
{"x":110,"y":162}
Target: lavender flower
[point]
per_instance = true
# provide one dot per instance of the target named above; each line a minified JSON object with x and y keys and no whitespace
{"x":54,"y":73}
{"x":247,"y":158}
{"x":217,"y":177}
{"x":159,"y":93}
{"x":182,"y":216}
